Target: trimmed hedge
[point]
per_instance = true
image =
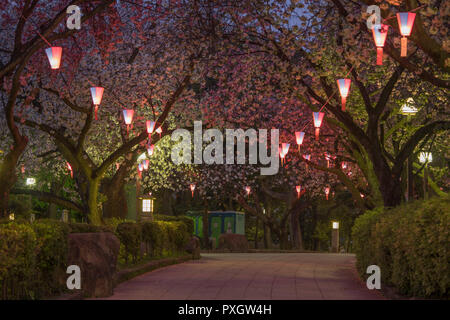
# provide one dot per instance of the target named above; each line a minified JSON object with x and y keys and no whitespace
{"x":152,"y":239}
{"x":33,"y":258}
{"x":189,"y":222}
{"x":410,"y":244}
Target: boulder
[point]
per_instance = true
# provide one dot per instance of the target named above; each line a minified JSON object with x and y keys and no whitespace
{"x":193,"y":247}
{"x":96,"y":255}
{"x":233,"y":242}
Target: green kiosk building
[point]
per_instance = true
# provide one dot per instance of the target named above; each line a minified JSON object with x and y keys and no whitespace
{"x":219,"y":222}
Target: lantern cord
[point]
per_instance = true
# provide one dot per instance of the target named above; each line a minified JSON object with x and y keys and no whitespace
{"x":415,"y":9}
{"x":37,"y":30}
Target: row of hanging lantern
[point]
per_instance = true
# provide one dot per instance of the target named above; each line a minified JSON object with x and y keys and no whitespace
{"x":54,"y":56}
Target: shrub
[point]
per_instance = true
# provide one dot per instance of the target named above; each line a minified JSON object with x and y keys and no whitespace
{"x":130,"y":236}
{"x":18,"y":248}
{"x":87,"y":228}
{"x":410,"y":245}
{"x":189,"y":222}
{"x":159,"y":238}
{"x":33,"y":258}
{"x":51,"y":255}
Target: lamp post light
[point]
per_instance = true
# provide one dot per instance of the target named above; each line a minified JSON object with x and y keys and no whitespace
{"x":408,"y":109}
{"x":425,"y":158}
{"x":335,"y":237}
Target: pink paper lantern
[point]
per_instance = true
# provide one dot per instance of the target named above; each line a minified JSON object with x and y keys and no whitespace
{"x":54,"y":56}
{"x":97,"y":94}
{"x":379,"y":36}
{"x":140,"y":169}
{"x":247,"y":190}
{"x":150,"y":150}
{"x":298,"y":189}
{"x":146,"y":163}
{"x":192,"y":186}
{"x":328,"y":158}
{"x":285,"y":148}
{"x":150,"y":127}
{"x":405,"y":22}
{"x":318,"y":117}
{"x":282,"y":155}
{"x":70,"y":169}
{"x":159,"y":131}
{"x":299,"y":136}
{"x":308,"y":158}
{"x":128,"y":118}
{"x":344,"y":89}
{"x":327,"y":192}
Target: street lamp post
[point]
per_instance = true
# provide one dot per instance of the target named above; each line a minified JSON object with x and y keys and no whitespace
{"x":335,"y":237}
{"x":408,"y":109}
{"x":425,"y":158}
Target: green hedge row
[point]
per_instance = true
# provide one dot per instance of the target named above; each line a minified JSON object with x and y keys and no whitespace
{"x":151,"y":239}
{"x":410,"y":244}
{"x":33,"y":258}
{"x":33,"y":255}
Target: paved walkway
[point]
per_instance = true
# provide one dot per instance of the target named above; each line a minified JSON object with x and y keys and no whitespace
{"x":261,"y":276}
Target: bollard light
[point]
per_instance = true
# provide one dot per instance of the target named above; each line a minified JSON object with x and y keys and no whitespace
{"x":335,"y":225}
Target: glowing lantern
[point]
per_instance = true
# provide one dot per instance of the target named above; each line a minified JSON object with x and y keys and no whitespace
{"x":299,"y":135}
{"x":150,"y":128}
{"x":70,"y":169}
{"x":405,"y":22}
{"x":282,"y":155}
{"x":97,"y":94}
{"x":298,"y":189}
{"x":344,"y":89}
{"x":146,"y":163}
{"x":247,"y":190}
{"x":159,"y":131}
{"x":54,"y":56}
{"x":344,"y":165}
{"x":285,"y":148}
{"x":117,"y":166}
{"x":22,"y":169}
{"x":327,"y":192}
{"x":380,"y":32}
{"x":192,"y":186}
{"x":150,"y":150}
{"x":140,"y":169}
{"x":128,"y":117}
{"x":328,"y":158}
{"x":362,"y":196}
{"x":307,"y":157}
{"x":318,"y":117}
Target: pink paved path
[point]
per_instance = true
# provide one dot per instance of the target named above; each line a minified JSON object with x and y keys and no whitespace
{"x":261,"y":276}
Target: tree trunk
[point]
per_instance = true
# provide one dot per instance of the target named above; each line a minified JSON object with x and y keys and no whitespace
{"x":205,"y":224}
{"x":256,"y":233}
{"x":8,"y":174}
{"x":116,"y":203}
{"x":267,"y":237}
{"x":297,"y":242}
{"x":94,"y":213}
